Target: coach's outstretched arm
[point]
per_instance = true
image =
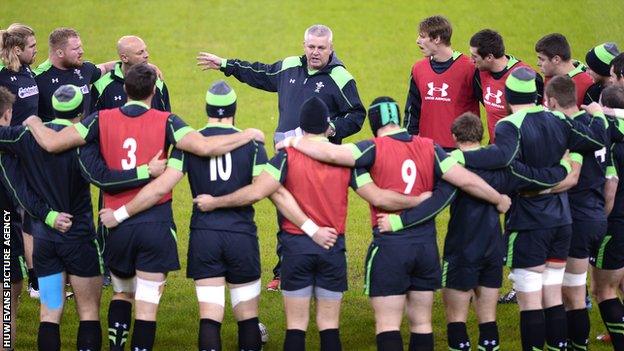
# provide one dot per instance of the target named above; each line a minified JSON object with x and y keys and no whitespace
{"x":256,"y":74}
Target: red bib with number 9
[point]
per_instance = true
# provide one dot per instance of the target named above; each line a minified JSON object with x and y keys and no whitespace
{"x":404,"y":167}
{"x":127,"y":142}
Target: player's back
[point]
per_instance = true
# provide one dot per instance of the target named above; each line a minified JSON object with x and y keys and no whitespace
{"x":221,"y":175}
{"x":319,"y":188}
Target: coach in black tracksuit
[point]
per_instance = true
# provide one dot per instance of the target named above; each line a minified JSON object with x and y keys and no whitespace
{"x":297,"y":78}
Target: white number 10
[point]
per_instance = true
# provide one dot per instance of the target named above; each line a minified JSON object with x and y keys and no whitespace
{"x":408,"y":172}
{"x":131,"y":145}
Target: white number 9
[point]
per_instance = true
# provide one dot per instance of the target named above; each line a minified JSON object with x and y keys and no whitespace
{"x":408,"y":172}
{"x":129,"y":144}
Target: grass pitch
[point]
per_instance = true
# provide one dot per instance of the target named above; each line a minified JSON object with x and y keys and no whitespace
{"x":376,"y":40}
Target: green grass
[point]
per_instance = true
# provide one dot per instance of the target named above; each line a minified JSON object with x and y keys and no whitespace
{"x":376,"y":40}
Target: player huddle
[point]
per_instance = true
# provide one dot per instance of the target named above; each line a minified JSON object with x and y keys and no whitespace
{"x":551,"y":167}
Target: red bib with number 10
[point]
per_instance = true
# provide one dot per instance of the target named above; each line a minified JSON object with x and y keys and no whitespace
{"x":127,"y":142}
{"x":402,"y":166}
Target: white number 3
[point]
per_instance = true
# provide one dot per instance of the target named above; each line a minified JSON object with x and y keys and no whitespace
{"x":408,"y":172}
{"x":129,"y":144}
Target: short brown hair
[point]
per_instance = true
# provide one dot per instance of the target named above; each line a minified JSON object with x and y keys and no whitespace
{"x":618,"y":66}
{"x":562,"y":89}
{"x":554,"y":44}
{"x":140,"y":81}
{"x":6,"y":99}
{"x":15,"y":36}
{"x":488,"y":41}
{"x":59,"y":37}
{"x":467,"y":128}
{"x":437,"y":27}
{"x":613,"y":96}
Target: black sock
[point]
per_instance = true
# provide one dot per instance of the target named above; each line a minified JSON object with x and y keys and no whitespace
{"x":119,"y":319}
{"x":49,"y":337}
{"x":421,"y":342}
{"x":294,"y":340}
{"x":532,"y":333}
{"x":143,"y":335}
{"x":389,"y":341}
{"x":556,"y":328}
{"x":32,"y":279}
{"x":457,"y":336}
{"x":330,"y":340}
{"x":578,"y":329}
{"x":612,"y":312}
{"x":210,"y":334}
{"x":488,"y":336}
{"x":89,"y":336}
{"x":249,"y":338}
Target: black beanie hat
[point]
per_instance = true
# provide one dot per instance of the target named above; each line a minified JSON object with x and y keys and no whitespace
{"x":599,"y":58}
{"x":67,"y":102}
{"x":314,"y":116}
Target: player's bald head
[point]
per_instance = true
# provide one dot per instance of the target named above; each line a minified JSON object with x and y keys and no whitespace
{"x":128,"y":43}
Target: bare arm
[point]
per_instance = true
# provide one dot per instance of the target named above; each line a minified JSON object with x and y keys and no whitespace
{"x":389,"y":200}
{"x":200,"y":145}
{"x":288,"y":206}
{"x":570,"y":180}
{"x":610,"y":190}
{"x":51,"y":140}
{"x":475,"y":186}
{"x":263,"y":186}
{"x":106,"y":66}
{"x":341,"y":155}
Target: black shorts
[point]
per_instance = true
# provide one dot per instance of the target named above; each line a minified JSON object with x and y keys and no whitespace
{"x":304,"y":263}
{"x":81,"y":259}
{"x":148,"y":247}
{"x":586,"y":238}
{"x":396,"y":268}
{"x":466,"y":276}
{"x":530,"y":248}
{"x":610,"y":252}
{"x":214,"y":253}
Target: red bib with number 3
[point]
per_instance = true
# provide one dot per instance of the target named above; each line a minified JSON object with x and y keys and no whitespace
{"x":127,"y":142}
{"x":403,"y":167}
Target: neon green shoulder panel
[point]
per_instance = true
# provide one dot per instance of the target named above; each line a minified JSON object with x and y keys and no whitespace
{"x":341,"y":76}
{"x":103,"y":82}
{"x":43,"y":67}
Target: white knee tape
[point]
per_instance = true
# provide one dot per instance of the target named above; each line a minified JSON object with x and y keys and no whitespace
{"x":211,"y":294}
{"x":123,"y":285}
{"x":553,"y":276}
{"x":571,"y":279}
{"x":525,"y":280}
{"x":245,"y":293}
{"x":148,"y":291}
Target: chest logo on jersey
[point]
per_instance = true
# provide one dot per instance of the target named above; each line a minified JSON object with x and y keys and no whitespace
{"x":292,"y":81}
{"x":78,"y":73}
{"x":117,"y":97}
{"x":493,"y":99}
{"x":84,"y":89}
{"x":319,"y":85}
{"x":437,"y":93}
{"x":13,"y":78}
{"x":54,"y":80}
{"x":28,"y":91}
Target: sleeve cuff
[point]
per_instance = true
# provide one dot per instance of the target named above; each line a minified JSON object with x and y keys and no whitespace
{"x":363,"y":179}
{"x":396,"y":223}
{"x":51,"y":218}
{"x":576,"y":157}
{"x":175,"y":164}
{"x":274,"y":172}
{"x":355,"y":151}
{"x":143,"y":172}
{"x":82,"y":130}
{"x":458,"y":155}
{"x":181,"y":133}
{"x":611,"y":172}
{"x":257,"y":169}
{"x":566,"y":165}
{"x":223,"y":63}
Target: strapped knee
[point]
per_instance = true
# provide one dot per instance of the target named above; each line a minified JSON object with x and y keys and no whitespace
{"x":571,"y":279}
{"x":52,"y":291}
{"x":525,"y":280}
{"x":245,"y":293}
{"x":123,"y":285}
{"x":553,"y":276}
{"x":148,"y":291}
{"x":211,"y":294}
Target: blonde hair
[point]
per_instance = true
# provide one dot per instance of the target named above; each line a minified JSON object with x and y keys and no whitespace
{"x":15,"y":36}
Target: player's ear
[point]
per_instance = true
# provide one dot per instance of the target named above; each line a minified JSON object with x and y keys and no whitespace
{"x":556,"y":59}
